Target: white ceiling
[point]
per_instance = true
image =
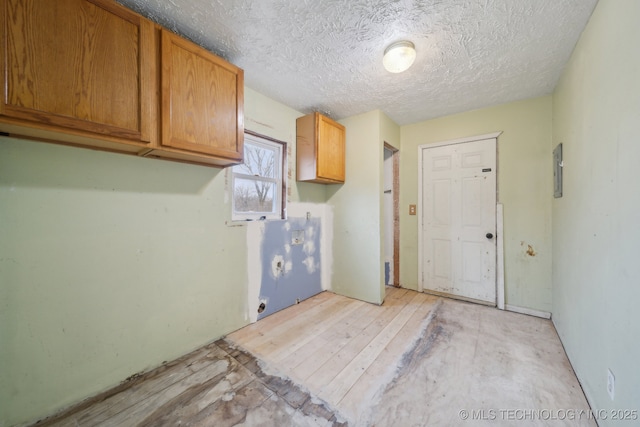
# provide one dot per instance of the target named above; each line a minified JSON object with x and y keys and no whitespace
{"x":326,"y":55}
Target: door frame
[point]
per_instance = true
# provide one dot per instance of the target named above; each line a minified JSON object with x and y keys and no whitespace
{"x":395,"y":156}
{"x":499,"y":264}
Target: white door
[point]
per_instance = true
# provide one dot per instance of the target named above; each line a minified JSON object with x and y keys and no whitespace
{"x":459,"y":220}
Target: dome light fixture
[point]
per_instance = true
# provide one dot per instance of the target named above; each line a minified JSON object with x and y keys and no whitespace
{"x":399,"y":56}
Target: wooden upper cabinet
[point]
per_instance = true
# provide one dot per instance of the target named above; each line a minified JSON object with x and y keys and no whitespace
{"x":202,"y":102}
{"x":83,"y":67}
{"x":320,"y":149}
{"x":95,"y":74}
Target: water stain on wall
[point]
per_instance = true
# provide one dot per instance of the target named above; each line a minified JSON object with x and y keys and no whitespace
{"x":530,"y":251}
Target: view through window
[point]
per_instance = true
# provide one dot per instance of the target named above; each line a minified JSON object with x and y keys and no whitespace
{"x":257,"y":184}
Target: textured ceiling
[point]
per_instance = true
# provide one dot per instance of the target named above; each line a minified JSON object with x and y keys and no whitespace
{"x":326,"y":55}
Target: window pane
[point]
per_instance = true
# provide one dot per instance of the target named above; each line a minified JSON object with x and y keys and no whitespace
{"x":259,"y":161}
{"x":257,"y":185}
{"x":253,"y":195}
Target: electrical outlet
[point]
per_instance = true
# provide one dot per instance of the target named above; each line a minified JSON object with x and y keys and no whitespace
{"x":412,"y":209}
{"x":611,"y":384}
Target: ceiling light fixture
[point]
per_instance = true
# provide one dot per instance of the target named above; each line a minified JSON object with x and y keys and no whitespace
{"x":399,"y":56}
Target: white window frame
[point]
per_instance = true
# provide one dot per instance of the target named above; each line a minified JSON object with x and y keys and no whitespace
{"x":280,"y":172}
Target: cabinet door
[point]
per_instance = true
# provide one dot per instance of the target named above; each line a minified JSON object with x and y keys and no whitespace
{"x":330,"y":149}
{"x":202,"y":100}
{"x":79,"y":65}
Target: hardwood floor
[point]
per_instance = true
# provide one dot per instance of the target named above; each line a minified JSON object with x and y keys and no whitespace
{"x":420,"y":360}
{"x":333,"y":347}
{"x":417,"y":360}
{"x":217,"y":385}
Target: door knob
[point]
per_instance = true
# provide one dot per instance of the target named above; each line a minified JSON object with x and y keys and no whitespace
{"x":489,"y":236}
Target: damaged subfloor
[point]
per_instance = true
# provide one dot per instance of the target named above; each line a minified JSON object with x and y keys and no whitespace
{"x":417,"y":360}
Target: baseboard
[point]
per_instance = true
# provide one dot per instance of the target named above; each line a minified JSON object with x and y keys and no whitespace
{"x":529,"y":311}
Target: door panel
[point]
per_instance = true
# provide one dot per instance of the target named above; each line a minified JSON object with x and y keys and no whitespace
{"x":442,"y":260}
{"x":471,"y":262}
{"x":459,"y":202}
{"x":442,"y":202}
{"x":471,"y":202}
{"x":201,"y":100}
{"x":331,"y":152}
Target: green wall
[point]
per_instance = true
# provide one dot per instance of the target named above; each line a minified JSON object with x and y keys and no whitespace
{"x":112,"y":264}
{"x":525,"y":186}
{"x":596,"y":116}
{"x":358,"y":253}
{"x":275,"y":120}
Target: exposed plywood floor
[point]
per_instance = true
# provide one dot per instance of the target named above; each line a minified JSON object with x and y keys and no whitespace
{"x":416,"y":360}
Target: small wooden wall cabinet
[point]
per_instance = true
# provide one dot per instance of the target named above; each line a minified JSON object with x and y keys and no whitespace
{"x":320,"y":149}
{"x":92,"y":73}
